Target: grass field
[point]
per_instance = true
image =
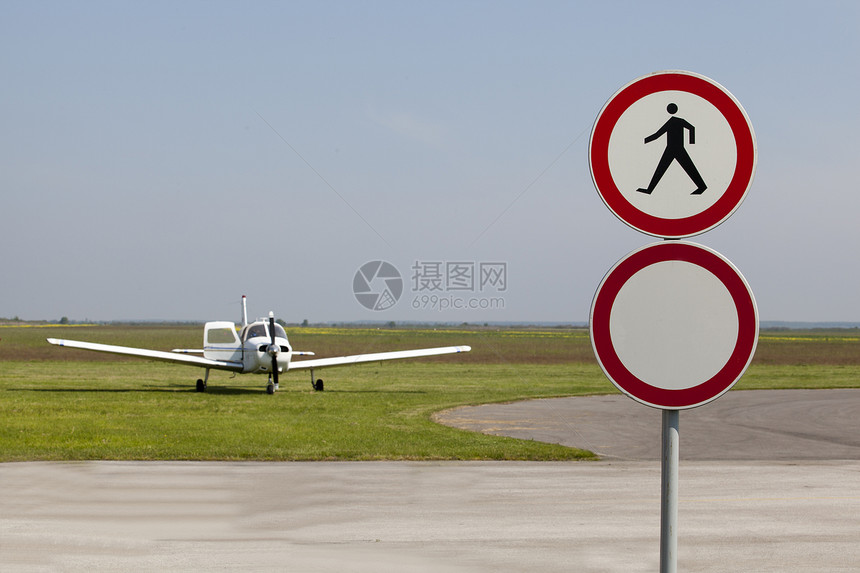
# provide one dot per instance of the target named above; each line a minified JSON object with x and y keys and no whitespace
{"x":64,"y":404}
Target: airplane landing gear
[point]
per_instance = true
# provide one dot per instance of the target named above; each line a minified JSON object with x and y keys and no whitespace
{"x":201,"y":384}
{"x":318,"y":385}
{"x":272,"y":386}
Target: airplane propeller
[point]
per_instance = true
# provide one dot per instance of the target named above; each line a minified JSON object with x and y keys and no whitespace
{"x":273,"y":349}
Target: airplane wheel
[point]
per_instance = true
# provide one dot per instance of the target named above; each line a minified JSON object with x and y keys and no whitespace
{"x":319,"y":385}
{"x":201,"y":386}
{"x":270,"y":389}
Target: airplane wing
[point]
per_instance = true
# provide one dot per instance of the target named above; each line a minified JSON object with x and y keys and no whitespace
{"x":377,"y":357}
{"x":152,"y":354}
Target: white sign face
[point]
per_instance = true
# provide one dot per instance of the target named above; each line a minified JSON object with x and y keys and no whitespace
{"x":672,"y":154}
{"x":659,"y":318}
{"x":674,"y":325}
{"x":633,"y":163}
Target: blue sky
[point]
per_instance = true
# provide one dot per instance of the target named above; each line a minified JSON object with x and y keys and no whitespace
{"x":160,"y":159}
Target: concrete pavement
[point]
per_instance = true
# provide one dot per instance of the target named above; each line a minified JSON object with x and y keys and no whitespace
{"x":424,"y":517}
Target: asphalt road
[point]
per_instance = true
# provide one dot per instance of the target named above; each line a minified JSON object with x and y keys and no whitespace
{"x":734,"y":515}
{"x":770,"y":425}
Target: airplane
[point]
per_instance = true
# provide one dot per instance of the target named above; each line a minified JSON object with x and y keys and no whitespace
{"x":260,"y":347}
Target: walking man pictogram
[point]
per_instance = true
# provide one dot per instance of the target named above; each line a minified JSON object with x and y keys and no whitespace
{"x":675,"y":151}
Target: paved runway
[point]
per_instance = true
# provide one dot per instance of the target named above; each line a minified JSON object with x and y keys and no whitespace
{"x":420,"y":517}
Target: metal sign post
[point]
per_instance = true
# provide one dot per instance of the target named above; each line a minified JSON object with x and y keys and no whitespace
{"x":669,"y":492}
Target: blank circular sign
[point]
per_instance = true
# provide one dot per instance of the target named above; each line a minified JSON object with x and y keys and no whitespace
{"x":674,"y":325}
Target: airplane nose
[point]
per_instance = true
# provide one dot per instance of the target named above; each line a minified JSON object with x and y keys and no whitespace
{"x":273,"y":350}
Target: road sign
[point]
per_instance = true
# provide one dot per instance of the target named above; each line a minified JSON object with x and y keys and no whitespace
{"x":674,"y":325}
{"x":672,"y":154}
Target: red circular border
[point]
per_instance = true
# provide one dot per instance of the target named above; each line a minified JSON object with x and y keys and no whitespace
{"x":744,"y":141}
{"x":626,"y":381}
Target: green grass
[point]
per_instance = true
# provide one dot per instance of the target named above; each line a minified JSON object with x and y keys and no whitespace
{"x":142,"y":410}
{"x":62,"y":404}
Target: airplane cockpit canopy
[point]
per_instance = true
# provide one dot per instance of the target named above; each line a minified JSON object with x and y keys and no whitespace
{"x":261,"y":329}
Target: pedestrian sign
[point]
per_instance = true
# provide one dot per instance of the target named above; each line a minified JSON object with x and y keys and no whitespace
{"x":673,"y":325}
{"x":672,"y":154}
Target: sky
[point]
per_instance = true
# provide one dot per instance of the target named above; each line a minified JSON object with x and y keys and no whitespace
{"x":158,"y":160}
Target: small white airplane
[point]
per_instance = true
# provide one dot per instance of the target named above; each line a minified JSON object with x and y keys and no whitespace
{"x":260,"y":347}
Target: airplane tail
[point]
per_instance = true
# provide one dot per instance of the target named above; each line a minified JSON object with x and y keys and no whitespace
{"x":244,"y":311}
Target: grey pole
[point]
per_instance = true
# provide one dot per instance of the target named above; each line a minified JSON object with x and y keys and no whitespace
{"x":669,"y":493}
